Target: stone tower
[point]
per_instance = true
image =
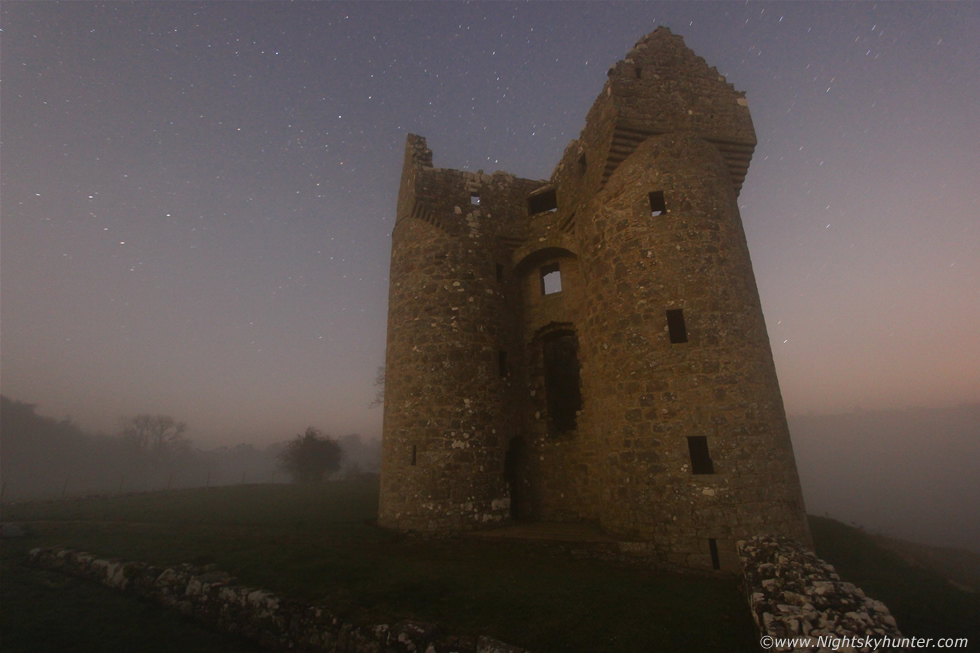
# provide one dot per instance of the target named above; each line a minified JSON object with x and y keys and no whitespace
{"x":592,"y":347}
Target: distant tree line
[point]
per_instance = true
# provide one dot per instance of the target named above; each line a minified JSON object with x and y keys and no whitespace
{"x":43,"y":457}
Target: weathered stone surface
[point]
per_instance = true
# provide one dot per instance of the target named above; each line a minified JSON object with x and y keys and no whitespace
{"x":793,"y":592}
{"x":490,"y":645}
{"x":508,"y":399}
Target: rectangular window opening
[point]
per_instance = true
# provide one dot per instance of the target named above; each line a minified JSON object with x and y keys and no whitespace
{"x":502,"y":363}
{"x":415,"y":451}
{"x":715,"y":561}
{"x":583,"y":164}
{"x":638,"y":70}
{"x":550,"y":279}
{"x":676,"y":326}
{"x":475,"y":199}
{"x":658,"y":206}
{"x":697,"y":446}
{"x":500,"y":273}
{"x":542,"y":202}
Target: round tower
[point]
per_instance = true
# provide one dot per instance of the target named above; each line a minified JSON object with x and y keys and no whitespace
{"x":448,"y":386}
{"x":685,"y":403}
{"x":689,"y":412}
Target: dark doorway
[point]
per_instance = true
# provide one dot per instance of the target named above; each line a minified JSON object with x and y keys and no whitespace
{"x":515,"y":470}
{"x":561,"y":380}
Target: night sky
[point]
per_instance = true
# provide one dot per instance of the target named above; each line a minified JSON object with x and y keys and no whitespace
{"x":197,"y":198}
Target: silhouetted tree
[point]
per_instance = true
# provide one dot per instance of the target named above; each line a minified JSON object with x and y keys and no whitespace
{"x":310,"y":457}
{"x":160,"y":437}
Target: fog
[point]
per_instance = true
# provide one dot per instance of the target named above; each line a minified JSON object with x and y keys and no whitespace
{"x":911,"y":474}
{"x":46,"y":458}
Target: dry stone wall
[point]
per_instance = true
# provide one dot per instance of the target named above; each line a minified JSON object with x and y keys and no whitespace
{"x":276,"y":623}
{"x":792,"y":593}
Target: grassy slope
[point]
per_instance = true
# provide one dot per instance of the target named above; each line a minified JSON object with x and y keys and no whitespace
{"x":318,"y":543}
{"x":924,"y":604}
{"x":959,"y":566}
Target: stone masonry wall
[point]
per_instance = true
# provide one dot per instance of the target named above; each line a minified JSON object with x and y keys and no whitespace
{"x":792,"y":593}
{"x":719,"y":384}
{"x":453,"y":337}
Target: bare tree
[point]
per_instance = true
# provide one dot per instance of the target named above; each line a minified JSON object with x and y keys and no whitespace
{"x":159,"y":436}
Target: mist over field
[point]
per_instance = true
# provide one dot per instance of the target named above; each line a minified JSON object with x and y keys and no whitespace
{"x":47,"y":458}
{"x":911,"y":474}
{"x":908,"y":474}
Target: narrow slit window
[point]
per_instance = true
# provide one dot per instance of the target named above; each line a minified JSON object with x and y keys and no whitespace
{"x":583,"y":164}
{"x":500,"y":273}
{"x":697,"y":446}
{"x":550,"y":279}
{"x":475,"y":199}
{"x":658,"y":206}
{"x":713,"y":546}
{"x":415,"y":452}
{"x":502,"y":363}
{"x":639,"y":72}
{"x":542,"y":202}
{"x":676,"y":326}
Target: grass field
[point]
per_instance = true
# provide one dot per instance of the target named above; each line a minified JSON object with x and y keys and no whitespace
{"x":319,"y":543}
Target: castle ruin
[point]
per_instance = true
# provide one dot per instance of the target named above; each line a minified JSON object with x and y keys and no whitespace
{"x":592,"y":347}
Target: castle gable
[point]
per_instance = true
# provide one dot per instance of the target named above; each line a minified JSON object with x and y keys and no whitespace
{"x":663,"y":87}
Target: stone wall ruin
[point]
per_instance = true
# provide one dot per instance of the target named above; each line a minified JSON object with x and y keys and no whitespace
{"x":791,"y":594}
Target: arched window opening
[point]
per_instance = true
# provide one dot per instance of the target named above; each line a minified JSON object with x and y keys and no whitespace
{"x":561,"y":380}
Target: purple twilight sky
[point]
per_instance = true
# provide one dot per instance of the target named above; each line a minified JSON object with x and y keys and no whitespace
{"x":197,"y":198}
